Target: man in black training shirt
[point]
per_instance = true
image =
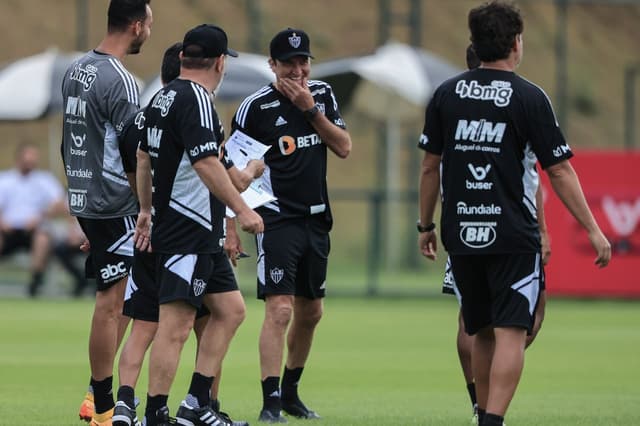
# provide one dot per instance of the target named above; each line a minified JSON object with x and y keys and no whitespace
{"x":190,"y":186}
{"x":484,"y":130}
{"x":299,"y":119}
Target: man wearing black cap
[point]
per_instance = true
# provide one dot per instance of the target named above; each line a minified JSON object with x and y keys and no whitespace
{"x":190,"y":186}
{"x":299,"y":119}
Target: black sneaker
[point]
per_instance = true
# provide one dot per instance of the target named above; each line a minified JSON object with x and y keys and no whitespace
{"x":161,"y":418}
{"x":124,"y":416}
{"x":267,"y":416}
{"x":298,"y":409}
{"x":224,"y":416}
{"x":215,"y":406}
{"x":203,"y":416}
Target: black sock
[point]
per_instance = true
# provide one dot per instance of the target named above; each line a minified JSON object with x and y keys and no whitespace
{"x":126,"y":394}
{"x":271,"y":394}
{"x":200,"y":388}
{"x":492,"y":420}
{"x":103,"y":394}
{"x":471,"y":388}
{"x":36,"y":282}
{"x":481,"y":414}
{"x":290,"y":380}
{"x":154,"y":403}
{"x":215,"y":405}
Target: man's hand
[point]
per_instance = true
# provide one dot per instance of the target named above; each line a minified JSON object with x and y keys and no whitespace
{"x":250,"y":221}
{"x":255,"y":168}
{"x":232,"y":243}
{"x":428,"y":244}
{"x":298,"y":93}
{"x":602,"y":247}
{"x":142,"y":234}
{"x":545,"y":249}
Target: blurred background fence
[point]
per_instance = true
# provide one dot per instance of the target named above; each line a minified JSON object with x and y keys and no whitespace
{"x":584,"y":53}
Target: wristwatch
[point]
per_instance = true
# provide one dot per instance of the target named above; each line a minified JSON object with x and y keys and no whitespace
{"x":428,"y":228}
{"x":311,"y":112}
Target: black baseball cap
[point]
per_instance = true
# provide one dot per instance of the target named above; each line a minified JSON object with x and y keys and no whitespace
{"x":289,"y":43}
{"x":211,"y":39}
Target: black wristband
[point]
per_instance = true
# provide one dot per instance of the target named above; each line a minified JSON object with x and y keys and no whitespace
{"x":311,"y":112}
{"x":428,"y":228}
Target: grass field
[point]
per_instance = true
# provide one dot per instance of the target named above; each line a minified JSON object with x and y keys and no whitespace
{"x":375,"y":361}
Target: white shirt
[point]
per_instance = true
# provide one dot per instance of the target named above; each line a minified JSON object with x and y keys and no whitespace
{"x":25,"y":198}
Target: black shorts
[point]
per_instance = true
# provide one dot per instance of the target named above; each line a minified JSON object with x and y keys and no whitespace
{"x":449,"y":282}
{"x":141,"y":294}
{"x":500,"y":290}
{"x":189,"y":277}
{"x":15,"y":240}
{"x":111,"y":253}
{"x":292,"y":259}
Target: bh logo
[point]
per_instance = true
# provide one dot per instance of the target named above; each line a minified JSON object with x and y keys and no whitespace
{"x":478,"y":234}
{"x":276,"y":274}
{"x":199,"y":286}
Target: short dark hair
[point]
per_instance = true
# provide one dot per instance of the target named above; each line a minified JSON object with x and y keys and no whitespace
{"x":195,"y":63}
{"x":170,"y":69}
{"x":123,"y":12}
{"x":494,"y":27}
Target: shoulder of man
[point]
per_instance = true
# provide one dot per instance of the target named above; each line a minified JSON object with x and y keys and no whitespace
{"x":262,"y":99}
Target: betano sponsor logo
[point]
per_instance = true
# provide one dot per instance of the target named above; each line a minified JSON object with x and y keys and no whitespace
{"x":499,"y":92}
{"x":288,"y":144}
{"x":463,"y":209}
{"x":478,"y":234}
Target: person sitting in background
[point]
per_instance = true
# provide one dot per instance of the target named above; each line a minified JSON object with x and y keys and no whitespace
{"x":27,"y":197}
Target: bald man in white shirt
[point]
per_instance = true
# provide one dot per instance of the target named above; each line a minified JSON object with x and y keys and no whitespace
{"x":27,"y":197}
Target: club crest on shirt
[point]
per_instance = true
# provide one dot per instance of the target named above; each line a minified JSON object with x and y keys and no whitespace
{"x":294,"y":40}
{"x":199,"y":286}
{"x":276,"y":274}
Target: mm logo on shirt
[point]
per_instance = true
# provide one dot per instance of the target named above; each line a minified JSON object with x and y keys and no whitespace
{"x":109,"y":272}
{"x":76,"y":107}
{"x":478,"y":234}
{"x":480,"y":131}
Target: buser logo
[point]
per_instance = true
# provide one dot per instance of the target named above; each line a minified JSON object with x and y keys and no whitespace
{"x":111,"y":271}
